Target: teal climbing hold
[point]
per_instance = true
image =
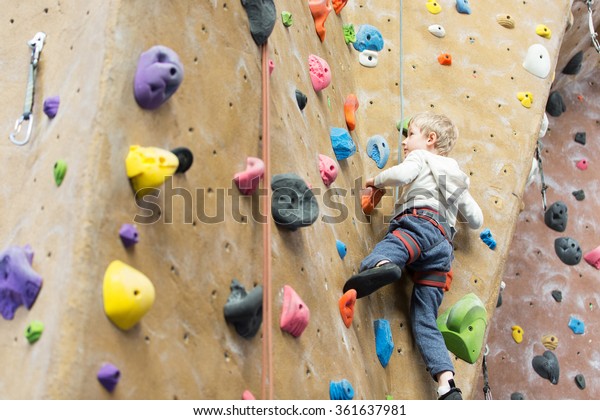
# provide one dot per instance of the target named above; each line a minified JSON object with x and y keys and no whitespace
{"x":463,"y":7}
{"x":341,"y":248}
{"x":343,"y":145}
{"x":378,"y":150}
{"x":576,"y":325}
{"x":384,"y":345}
{"x":341,"y":390}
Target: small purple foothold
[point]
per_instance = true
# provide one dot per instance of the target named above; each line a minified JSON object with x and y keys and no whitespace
{"x":19,"y":283}
{"x":129,"y":235}
{"x":51,"y":106}
{"x":109,"y":376}
{"x":159,"y":73}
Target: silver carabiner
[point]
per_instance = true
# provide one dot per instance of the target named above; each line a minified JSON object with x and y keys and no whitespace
{"x":17,"y":130}
{"x":593,"y":33}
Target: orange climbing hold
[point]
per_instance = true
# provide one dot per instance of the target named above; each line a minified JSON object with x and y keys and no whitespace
{"x":320,"y":9}
{"x":338,"y":5}
{"x":445,"y":59}
{"x":350,"y":107}
{"x":369,"y":198}
{"x":346,"y":303}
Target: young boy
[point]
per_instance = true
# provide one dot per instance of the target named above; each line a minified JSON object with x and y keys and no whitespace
{"x":434,"y":190}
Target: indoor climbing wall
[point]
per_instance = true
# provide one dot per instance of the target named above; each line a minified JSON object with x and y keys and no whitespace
{"x":552,"y":304}
{"x":143,"y":316}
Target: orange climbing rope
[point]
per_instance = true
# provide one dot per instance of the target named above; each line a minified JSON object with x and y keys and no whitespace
{"x":267,"y":362}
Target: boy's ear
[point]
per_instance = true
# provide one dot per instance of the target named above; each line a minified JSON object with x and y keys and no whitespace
{"x":432,"y":138}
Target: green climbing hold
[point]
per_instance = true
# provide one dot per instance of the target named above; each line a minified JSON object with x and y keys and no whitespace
{"x":60,"y":170}
{"x":349,"y":33}
{"x":403,"y":126}
{"x":34,"y":331}
{"x":286,"y":17}
{"x":463,"y":327}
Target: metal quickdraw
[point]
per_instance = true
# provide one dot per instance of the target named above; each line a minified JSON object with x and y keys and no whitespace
{"x":538,"y":155}
{"x":591,"y":23}
{"x":36,"y":44}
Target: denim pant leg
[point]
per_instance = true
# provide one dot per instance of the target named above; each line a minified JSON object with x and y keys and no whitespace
{"x":425,"y":302}
{"x":389,"y":248}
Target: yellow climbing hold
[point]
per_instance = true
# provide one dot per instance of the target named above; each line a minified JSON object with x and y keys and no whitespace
{"x":526,"y":99}
{"x":543,"y":31}
{"x":517,"y":333}
{"x":128,"y":294}
{"x":550,"y":341}
{"x":433,"y":6}
{"x":148,"y":167}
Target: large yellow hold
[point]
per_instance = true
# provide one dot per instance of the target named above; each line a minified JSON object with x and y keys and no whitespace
{"x":148,"y":167}
{"x":128,"y":294}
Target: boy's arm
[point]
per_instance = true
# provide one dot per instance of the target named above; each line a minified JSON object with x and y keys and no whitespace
{"x":470,"y":210}
{"x":401,"y":174}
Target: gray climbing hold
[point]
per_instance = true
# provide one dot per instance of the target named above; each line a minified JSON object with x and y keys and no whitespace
{"x":574,"y":64}
{"x":579,"y":195}
{"x":555,"y":105}
{"x":293,"y":204}
{"x":517,"y":396}
{"x":557,"y":295}
{"x":378,"y":150}
{"x":580,"y":381}
{"x":262,"y":16}
{"x":556,"y":216}
{"x":301,"y":99}
{"x":547,"y":366}
{"x":343,"y":145}
{"x":243,"y":309}
{"x":568,"y":250}
{"x":580,"y":138}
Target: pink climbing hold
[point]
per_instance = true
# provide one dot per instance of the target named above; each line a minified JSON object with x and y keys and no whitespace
{"x":582,"y":164}
{"x":247,"y":395}
{"x":593,"y":258}
{"x":328,"y":169}
{"x":271,"y":67}
{"x":320,"y":74}
{"x":294,"y":313}
{"x":248,"y":180}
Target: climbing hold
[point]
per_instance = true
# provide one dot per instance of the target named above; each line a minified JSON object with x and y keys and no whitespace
{"x":368,"y":38}
{"x":543,"y":31}
{"x":433,"y":7}
{"x":341,"y":390}
{"x":343,"y":145}
{"x":445,"y":59}
{"x":262,"y":16}
{"x":506,"y":21}
{"x":159,"y":74}
{"x":271,"y":65}
{"x":579,"y":195}
{"x":128,"y":234}
{"x":463,"y":7}
{"x":580,"y":381}
{"x":574,"y":64}
{"x":20,"y":284}
{"x":294,"y":313}
{"x":247,"y":395}
{"x":243,"y":309}
{"x":328,"y":169}
{"x":338,"y":5}
{"x":463,"y":327}
{"x":502,"y":287}
{"x":537,"y":61}
{"x":526,"y":98}
{"x":550,"y":341}
{"x":543,"y":126}
{"x":301,"y":99}
{"x":148,"y":167}
{"x":568,"y":250}
{"x":488,"y":239}
{"x":346,"y":305}
{"x":248,"y":180}
{"x":185,"y":159}
{"x":51,"y":106}
{"x":350,"y":107}
{"x":580,"y":138}
{"x":341,"y":248}
{"x":34,"y":331}
{"x":293,"y":203}
{"x":555,"y":105}
{"x":556,"y":216}
{"x":320,"y":74}
{"x":403,"y":125}
{"x":378,"y":150}
{"x":582,"y":164}
{"x":576,"y":325}
{"x":369,"y":198}
{"x":349,"y":33}
{"x":320,"y":9}
{"x":384,"y":345}
{"x":557,"y":295}
{"x":128,"y":294}
{"x":108,"y":375}
{"x":437,"y":30}
{"x":368,"y":58}
{"x":593,"y":257}
{"x":286,"y":18}
{"x":517,"y":334}
{"x":546,"y":366}
{"x":60,"y":170}
{"x":517,"y":396}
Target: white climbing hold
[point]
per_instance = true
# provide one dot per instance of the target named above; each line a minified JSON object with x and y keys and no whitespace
{"x":368,"y":58}
{"x":437,"y":30}
{"x":537,"y":61}
{"x":544,"y":126}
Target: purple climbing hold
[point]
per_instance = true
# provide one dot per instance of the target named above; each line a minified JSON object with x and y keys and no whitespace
{"x":128,"y":234}
{"x":262,"y":16}
{"x":547,"y":366}
{"x":341,"y":390}
{"x":576,"y":325}
{"x":384,"y":345}
{"x":159,"y":73}
{"x":109,"y":376}
{"x":19,"y":283}
{"x":51,"y":106}
{"x":243,"y":309}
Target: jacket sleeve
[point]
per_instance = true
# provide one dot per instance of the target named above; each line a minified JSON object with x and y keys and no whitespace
{"x":470,"y":210}
{"x":401,"y":174}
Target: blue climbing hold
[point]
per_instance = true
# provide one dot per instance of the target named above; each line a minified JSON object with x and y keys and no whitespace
{"x":487,"y":238}
{"x":341,"y":247}
{"x":463,"y":7}
{"x":378,"y":150}
{"x":368,"y":38}
{"x":576,"y":325}
{"x":343,"y":145}
{"x":384,"y":344}
{"x":341,"y":390}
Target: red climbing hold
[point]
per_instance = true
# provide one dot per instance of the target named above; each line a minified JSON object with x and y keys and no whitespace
{"x":582,"y":164}
{"x":346,"y":304}
{"x":593,"y":258}
{"x":369,"y":198}
{"x":445,"y":59}
{"x":294,"y":313}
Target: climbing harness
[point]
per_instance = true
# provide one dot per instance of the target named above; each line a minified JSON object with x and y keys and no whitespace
{"x":487,"y":392}
{"x":36,"y":44}
{"x":593,"y":32}
{"x":538,"y":156}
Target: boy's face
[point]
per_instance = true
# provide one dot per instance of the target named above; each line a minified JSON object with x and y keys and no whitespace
{"x":416,"y":140}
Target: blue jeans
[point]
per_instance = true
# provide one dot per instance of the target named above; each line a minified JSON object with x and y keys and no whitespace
{"x":436,"y":255}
